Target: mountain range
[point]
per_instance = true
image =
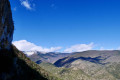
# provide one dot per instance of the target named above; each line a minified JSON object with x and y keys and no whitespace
{"x":87,"y":65}
{"x":50,"y":57}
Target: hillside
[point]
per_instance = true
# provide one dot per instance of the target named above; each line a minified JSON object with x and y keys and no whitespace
{"x":50,"y":57}
{"x":97,"y":57}
{"x":16,"y":66}
{"x":87,"y":65}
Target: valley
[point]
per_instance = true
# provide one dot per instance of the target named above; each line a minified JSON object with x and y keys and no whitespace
{"x":87,"y":65}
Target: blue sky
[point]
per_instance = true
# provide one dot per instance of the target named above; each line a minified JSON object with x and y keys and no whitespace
{"x":66,"y":23}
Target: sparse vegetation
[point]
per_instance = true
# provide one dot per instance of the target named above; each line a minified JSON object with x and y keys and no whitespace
{"x":87,"y":69}
{"x":18,"y":67}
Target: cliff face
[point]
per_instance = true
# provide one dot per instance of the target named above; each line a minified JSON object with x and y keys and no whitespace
{"x":6,"y":25}
{"x":14,"y":65}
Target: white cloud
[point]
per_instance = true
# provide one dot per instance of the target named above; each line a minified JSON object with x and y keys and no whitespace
{"x":79,"y":48}
{"x":24,"y":45}
{"x":27,"y":4}
{"x":118,"y":48}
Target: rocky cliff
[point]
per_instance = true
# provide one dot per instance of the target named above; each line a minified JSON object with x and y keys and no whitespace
{"x":14,"y":65}
{"x":6,"y":25}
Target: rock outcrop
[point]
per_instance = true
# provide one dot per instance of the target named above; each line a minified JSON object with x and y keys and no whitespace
{"x":6,"y":25}
{"x":14,"y":65}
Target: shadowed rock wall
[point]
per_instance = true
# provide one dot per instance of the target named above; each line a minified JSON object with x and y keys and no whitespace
{"x":6,"y":25}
